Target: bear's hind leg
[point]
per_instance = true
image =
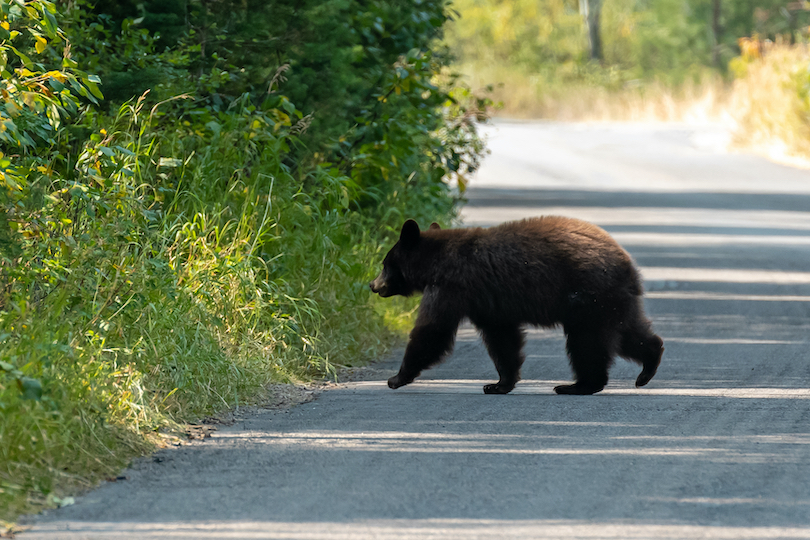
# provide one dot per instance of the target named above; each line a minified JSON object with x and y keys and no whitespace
{"x":637,"y":341}
{"x":590,"y":352}
{"x":644,"y":347}
{"x":505,"y":346}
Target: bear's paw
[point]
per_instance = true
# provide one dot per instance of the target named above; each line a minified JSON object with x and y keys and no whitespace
{"x":496,"y":388}
{"x":578,"y":389}
{"x":397,"y":380}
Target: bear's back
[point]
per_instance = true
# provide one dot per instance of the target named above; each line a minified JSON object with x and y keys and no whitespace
{"x":529,"y":269}
{"x":574,"y":243}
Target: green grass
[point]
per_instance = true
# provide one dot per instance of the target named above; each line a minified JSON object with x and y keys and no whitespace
{"x":179,"y":286}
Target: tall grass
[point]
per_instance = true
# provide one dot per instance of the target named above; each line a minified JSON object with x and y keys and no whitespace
{"x":178,"y":286}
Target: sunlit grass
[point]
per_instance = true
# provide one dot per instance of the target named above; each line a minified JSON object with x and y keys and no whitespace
{"x":548,"y":96}
{"x":156,"y":319}
{"x":769,"y":103}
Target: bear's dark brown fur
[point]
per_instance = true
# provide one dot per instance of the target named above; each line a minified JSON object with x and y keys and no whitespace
{"x":545,"y":271}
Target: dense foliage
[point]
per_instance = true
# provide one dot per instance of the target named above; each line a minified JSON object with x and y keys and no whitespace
{"x":211,"y":222}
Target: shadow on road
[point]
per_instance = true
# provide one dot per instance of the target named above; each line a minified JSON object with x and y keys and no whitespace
{"x":479,"y":197}
{"x":526,"y":466}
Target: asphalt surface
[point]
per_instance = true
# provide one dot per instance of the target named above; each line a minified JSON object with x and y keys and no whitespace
{"x":716,"y":446}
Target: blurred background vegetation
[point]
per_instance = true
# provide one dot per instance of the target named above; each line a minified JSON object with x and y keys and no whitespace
{"x":743,"y":62}
{"x":194,"y":197}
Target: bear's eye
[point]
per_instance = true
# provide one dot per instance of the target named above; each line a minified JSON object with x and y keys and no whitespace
{"x":393,"y":274}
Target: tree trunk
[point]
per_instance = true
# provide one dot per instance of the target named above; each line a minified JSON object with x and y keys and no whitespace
{"x":716,"y":32}
{"x":591,"y":11}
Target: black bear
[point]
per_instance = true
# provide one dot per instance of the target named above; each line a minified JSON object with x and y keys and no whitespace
{"x":545,"y":271}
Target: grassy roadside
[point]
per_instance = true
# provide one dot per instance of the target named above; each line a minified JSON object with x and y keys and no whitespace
{"x":535,"y":96}
{"x":769,"y":102}
{"x":168,"y":258}
{"x":137,"y":321}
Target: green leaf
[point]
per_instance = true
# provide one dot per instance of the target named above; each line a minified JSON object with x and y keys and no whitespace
{"x":11,"y":181}
{"x":55,"y":84}
{"x":30,"y":388}
{"x":51,"y":24}
{"x":123,"y":150}
{"x":24,"y":59}
{"x":287,"y":106}
{"x":215,"y":127}
{"x":93,"y":88}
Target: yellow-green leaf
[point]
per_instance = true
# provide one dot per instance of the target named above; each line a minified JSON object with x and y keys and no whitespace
{"x":93,"y":89}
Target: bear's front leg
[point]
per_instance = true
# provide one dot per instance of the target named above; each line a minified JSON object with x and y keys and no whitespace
{"x":432,"y":336}
{"x":427,"y":345}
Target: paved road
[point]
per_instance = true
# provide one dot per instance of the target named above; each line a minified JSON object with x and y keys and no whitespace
{"x":717,"y":446}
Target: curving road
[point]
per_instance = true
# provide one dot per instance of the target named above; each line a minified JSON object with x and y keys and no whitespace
{"x":717,"y":446}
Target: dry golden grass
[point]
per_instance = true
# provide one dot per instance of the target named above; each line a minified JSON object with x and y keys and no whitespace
{"x":766,"y":105}
{"x":762,"y":108}
{"x":536,"y":97}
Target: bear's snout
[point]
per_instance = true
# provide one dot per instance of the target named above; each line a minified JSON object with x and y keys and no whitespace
{"x":379,"y":286}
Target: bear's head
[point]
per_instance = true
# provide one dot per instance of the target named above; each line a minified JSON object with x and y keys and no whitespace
{"x":397,"y":276}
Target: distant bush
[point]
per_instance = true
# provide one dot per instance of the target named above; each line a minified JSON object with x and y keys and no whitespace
{"x":770,"y":100}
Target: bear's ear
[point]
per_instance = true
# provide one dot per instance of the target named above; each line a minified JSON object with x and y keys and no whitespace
{"x":434,"y":226}
{"x":409,"y":236}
